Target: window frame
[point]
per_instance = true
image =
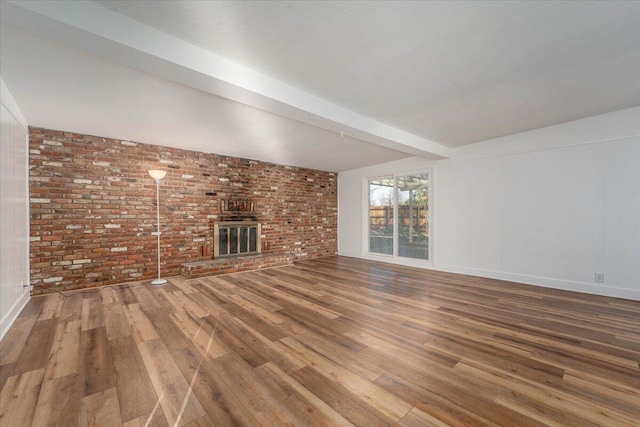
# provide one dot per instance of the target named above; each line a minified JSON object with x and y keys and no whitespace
{"x":430,"y":218}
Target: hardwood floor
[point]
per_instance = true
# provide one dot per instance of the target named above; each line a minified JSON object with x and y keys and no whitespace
{"x":334,"y":341}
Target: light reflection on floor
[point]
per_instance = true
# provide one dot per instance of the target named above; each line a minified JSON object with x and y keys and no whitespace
{"x":193,"y":380}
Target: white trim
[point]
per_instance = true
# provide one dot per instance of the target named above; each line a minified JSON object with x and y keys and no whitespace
{"x":350,"y":254}
{"x":367,"y":240}
{"x":547,"y":282}
{"x":13,"y":312}
{"x":24,"y":296}
{"x":365,"y":217}
{"x":544,"y":282}
{"x":396,"y":218}
{"x":27,"y":218}
{"x":432,"y":215}
{"x":430,"y":172}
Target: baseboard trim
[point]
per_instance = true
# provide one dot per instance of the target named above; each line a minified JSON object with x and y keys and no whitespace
{"x":548,"y":282}
{"x":13,"y":312}
{"x":545,"y":282}
{"x":350,"y":254}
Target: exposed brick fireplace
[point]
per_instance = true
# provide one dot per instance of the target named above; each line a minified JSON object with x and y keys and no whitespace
{"x":236,"y":238}
{"x":92,"y":210}
{"x":237,"y":243}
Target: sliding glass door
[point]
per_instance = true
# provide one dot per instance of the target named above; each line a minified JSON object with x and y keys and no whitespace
{"x":399,"y":216}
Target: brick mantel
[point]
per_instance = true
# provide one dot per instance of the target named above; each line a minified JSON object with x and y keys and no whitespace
{"x":93,"y":208}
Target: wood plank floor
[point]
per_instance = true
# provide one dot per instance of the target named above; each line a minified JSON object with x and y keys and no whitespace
{"x":334,"y":341}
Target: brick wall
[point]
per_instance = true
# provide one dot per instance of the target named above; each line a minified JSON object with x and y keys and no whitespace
{"x":93,"y":208}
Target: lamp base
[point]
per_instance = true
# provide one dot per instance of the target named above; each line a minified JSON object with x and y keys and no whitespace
{"x":159,"y":282}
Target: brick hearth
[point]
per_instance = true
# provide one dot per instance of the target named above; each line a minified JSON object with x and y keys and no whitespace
{"x":212,"y":267}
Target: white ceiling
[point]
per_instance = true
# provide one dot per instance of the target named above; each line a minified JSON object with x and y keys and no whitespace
{"x":280,"y":81}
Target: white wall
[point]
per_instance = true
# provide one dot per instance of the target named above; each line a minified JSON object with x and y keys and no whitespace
{"x":14,"y":211}
{"x":549,"y":207}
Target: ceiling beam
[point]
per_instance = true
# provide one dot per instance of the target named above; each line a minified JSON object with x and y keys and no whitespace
{"x":106,"y":34}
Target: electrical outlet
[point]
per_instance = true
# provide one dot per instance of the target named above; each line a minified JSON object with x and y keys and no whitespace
{"x":599,"y":277}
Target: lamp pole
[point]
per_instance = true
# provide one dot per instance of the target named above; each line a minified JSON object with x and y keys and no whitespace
{"x":157,"y":175}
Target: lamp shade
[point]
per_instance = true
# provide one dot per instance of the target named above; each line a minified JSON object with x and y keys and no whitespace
{"x":157,"y":174}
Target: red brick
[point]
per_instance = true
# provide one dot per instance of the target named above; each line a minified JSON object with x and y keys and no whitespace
{"x":123,"y":193}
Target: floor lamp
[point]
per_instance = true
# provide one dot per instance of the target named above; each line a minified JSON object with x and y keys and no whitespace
{"x":158,"y":175}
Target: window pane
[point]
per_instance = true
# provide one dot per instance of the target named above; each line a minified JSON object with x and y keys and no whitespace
{"x":381,"y":215}
{"x":233,"y":240}
{"x":413,"y":219}
{"x":224,"y":241}
{"x":243,"y":240}
{"x":253,"y":239}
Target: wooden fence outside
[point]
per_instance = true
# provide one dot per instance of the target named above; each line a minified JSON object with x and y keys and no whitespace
{"x":381,"y":218}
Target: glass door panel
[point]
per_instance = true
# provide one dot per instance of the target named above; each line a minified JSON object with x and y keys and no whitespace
{"x":381,"y":215}
{"x":413,"y":216}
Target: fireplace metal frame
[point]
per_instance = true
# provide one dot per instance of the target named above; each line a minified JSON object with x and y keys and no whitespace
{"x":236,"y":224}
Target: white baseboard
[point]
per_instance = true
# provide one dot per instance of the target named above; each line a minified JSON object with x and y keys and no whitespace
{"x":13,"y":312}
{"x":546,"y":282}
{"x":350,"y":254}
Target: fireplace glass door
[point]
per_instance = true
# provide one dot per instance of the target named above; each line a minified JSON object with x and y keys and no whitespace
{"x":236,"y":238}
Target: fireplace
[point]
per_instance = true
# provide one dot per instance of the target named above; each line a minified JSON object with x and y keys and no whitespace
{"x":236,"y":238}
